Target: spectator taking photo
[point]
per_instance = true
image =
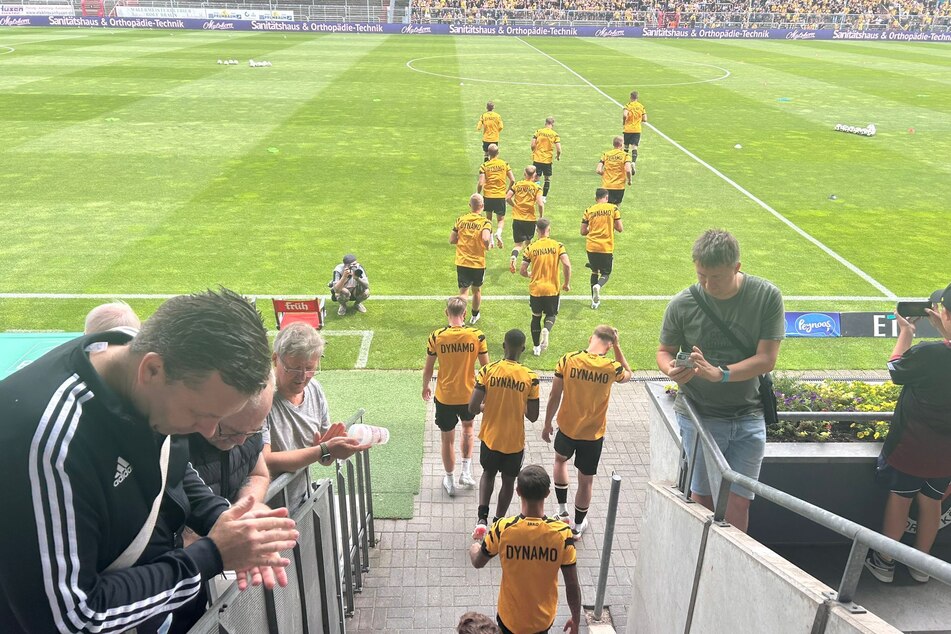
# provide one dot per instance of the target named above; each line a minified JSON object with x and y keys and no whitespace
{"x":350,"y":284}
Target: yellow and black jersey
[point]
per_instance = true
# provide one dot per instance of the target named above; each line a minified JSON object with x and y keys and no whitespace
{"x":588,"y":379}
{"x":457,"y":349}
{"x":544,"y":257}
{"x":633,"y":116}
{"x":496,"y":181}
{"x":614,"y":175}
{"x":524,"y":196}
{"x":470,"y":250}
{"x":491,"y":125}
{"x":508,"y":387}
{"x":545,"y":140}
{"x":600,"y":219}
{"x":532,"y":551}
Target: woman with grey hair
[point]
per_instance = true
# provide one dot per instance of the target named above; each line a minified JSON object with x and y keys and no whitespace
{"x":299,"y":431}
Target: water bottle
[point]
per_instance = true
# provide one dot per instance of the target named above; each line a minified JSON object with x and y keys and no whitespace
{"x":369,"y":434}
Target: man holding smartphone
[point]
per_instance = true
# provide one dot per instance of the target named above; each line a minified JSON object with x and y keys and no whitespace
{"x":718,"y":366}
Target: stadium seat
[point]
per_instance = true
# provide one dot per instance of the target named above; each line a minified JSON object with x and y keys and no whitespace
{"x":309,"y":311}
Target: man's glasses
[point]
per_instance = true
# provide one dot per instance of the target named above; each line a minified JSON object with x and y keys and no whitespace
{"x":223,"y":434}
{"x":297,"y":373}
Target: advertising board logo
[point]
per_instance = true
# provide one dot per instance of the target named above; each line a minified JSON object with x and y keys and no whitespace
{"x":211,"y":25}
{"x":415,"y":28}
{"x":817,"y":325}
{"x":10,"y":21}
{"x":609,"y":32}
{"x":801,"y":35}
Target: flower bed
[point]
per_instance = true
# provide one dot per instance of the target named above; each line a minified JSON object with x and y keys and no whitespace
{"x":794,"y":395}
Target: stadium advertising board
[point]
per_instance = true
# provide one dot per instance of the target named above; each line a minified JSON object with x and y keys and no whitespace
{"x":202,"y":13}
{"x":882,"y":325}
{"x":36,"y":9}
{"x":813,"y":325}
{"x":267,"y":21}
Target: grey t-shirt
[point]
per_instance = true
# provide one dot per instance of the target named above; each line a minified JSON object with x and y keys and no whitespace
{"x":753,"y":314}
{"x":292,"y":426}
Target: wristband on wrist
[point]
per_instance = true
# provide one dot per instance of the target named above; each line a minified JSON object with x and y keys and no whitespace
{"x":324,"y":452}
{"x":726,"y":374}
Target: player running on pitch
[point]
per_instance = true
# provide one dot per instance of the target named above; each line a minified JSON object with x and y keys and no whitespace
{"x":632,"y":117}
{"x":544,"y":256}
{"x":495,"y":178}
{"x":491,"y":125}
{"x":545,"y":144}
{"x":471,"y":234}
{"x":524,"y":197}
{"x":598,"y":225}
{"x":615,"y":170}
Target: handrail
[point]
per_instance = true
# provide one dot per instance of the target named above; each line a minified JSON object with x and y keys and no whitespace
{"x":862,"y":538}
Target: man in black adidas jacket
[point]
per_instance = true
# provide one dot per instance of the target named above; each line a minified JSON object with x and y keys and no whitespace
{"x":86,"y":431}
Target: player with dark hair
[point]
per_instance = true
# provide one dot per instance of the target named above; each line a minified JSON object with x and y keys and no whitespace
{"x":506,"y":392}
{"x":545,"y":258}
{"x":495,"y":178}
{"x":545,"y":144}
{"x":524,"y":197}
{"x":598,"y":225}
{"x":532,"y":549}
{"x":633,"y":115}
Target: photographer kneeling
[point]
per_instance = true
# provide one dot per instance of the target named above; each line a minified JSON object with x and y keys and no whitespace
{"x":350,"y":284}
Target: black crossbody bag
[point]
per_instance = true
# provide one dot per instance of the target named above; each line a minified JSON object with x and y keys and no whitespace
{"x":766,"y":393}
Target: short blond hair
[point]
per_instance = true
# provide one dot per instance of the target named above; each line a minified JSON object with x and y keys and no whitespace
{"x":606,"y":333}
{"x":456,"y":306}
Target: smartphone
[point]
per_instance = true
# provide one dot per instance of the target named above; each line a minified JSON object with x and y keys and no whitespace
{"x":683,"y":360}
{"x":913,"y":309}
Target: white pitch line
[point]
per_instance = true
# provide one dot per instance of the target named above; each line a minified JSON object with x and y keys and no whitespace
{"x":865,"y":276}
{"x":405,"y":298}
{"x":366,"y":339}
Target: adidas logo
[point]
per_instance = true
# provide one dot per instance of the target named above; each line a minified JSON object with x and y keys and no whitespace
{"x":123,"y":469}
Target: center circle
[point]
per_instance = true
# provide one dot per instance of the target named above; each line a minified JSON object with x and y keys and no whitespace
{"x":412,"y":65}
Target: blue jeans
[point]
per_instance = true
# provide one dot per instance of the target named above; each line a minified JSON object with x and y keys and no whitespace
{"x":741,"y":439}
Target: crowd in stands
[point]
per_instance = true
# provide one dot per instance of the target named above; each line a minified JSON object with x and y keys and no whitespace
{"x":853,"y":14}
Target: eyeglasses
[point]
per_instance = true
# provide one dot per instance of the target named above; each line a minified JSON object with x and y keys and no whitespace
{"x":235,"y":435}
{"x":297,"y":373}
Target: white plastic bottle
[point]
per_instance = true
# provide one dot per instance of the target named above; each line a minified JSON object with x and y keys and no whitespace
{"x":369,"y":434}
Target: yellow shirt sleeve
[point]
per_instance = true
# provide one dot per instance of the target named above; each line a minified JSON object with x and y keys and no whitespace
{"x":431,"y":345}
{"x":618,"y":371}
{"x":570,"y":556}
{"x":483,"y":346}
{"x":560,"y":368}
{"x":481,"y":376}
{"x":490,"y":545}
{"x":617,"y":214}
{"x":533,"y":392}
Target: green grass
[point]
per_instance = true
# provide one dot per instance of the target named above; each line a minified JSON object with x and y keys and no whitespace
{"x":391,"y":400}
{"x":131,"y":163}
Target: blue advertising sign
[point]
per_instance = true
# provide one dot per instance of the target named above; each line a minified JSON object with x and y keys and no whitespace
{"x":813,"y":325}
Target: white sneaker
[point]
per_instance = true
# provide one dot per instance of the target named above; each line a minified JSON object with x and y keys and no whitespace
{"x":580,"y":528}
{"x":543,"y":340}
{"x":478,"y":533}
{"x":361,"y":308}
{"x":594,"y":305}
{"x":596,"y":294}
{"x":918,"y":576}
{"x":449,"y":485}
{"x":466,"y":480}
{"x":475,"y":318}
{"x":342,"y":310}
{"x":544,"y":199}
{"x":537,"y":351}
{"x":498,"y":240}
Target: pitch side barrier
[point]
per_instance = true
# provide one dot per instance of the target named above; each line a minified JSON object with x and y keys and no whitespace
{"x":468,"y":29}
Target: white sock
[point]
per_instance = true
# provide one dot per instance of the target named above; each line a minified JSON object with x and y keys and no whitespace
{"x":449,"y":473}
{"x":563,"y":508}
{"x":467,"y":465}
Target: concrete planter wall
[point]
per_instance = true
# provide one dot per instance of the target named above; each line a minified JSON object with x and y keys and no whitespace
{"x":838,"y":477}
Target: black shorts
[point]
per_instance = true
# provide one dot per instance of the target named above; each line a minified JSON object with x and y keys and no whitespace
{"x":486,"y":144}
{"x":632,"y":138}
{"x":469,"y":277}
{"x":448,"y":415}
{"x":600,"y":262}
{"x":495,"y":206}
{"x":547,"y":305}
{"x":505,"y":630}
{"x":508,"y":464}
{"x":542,"y":169}
{"x":588,"y":452}
{"x":615,"y":196}
{"x":523,"y":230}
{"x":908,"y":486}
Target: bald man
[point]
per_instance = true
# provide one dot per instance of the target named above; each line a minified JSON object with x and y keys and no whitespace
{"x":110,"y":316}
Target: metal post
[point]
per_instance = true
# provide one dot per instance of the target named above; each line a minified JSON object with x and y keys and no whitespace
{"x":608,"y":542}
{"x":852,"y":572}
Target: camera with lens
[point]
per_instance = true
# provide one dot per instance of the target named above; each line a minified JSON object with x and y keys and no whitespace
{"x":356,"y":269}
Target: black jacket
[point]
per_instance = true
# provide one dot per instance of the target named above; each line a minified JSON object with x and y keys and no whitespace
{"x":225,"y":472}
{"x":80,"y":471}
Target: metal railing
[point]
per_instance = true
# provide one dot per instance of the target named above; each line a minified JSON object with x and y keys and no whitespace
{"x":327,"y":564}
{"x":862,"y":538}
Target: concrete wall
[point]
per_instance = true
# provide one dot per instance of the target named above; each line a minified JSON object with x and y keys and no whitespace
{"x":664,"y":445}
{"x":742,"y":586}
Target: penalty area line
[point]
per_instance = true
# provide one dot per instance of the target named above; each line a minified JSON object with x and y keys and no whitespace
{"x":366,"y":338}
{"x":789,"y":223}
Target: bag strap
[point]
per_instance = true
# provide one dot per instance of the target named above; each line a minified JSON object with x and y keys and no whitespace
{"x":705,"y":307}
{"x":134,"y":550}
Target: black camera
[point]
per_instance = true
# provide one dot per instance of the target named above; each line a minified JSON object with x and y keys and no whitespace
{"x":356,"y":269}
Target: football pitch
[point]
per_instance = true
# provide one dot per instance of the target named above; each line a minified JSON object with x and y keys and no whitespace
{"x":133,"y":165}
